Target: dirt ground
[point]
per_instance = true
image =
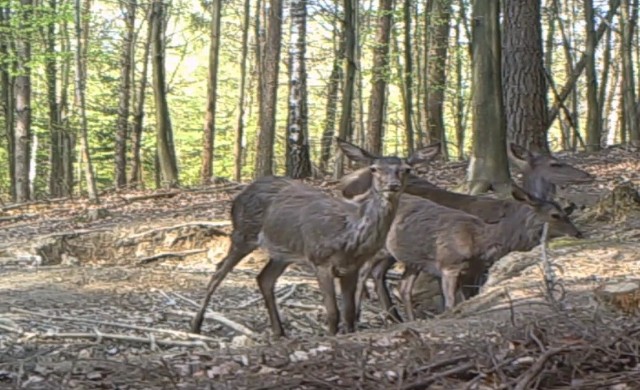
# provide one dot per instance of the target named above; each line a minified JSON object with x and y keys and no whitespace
{"x":100,"y":297}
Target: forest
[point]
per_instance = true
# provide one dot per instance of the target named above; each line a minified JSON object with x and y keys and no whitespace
{"x":100,"y":95}
{"x":319,"y":194}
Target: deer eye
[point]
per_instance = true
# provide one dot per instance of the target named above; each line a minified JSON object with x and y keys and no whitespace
{"x":555,"y":165}
{"x":407,"y":170}
{"x":555,"y":216}
{"x":373,"y":169}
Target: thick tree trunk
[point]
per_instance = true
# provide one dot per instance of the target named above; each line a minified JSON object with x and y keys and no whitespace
{"x":238,"y":150}
{"x":437,"y":72}
{"x":524,"y":82}
{"x":628,"y":76}
{"x":6,"y":84}
{"x":298,"y":161}
{"x":594,"y":129}
{"x":269,"y":73}
{"x":346,"y":115}
{"x":126,"y":55}
{"x":82,"y":41}
{"x":375,"y":127}
{"x":22,"y":137}
{"x":488,"y":165}
{"x":206,"y":171}
{"x":164,"y":133}
{"x":135,"y":176}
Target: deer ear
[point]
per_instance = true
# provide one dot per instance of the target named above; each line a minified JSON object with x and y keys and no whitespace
{"x":424,"y":155}
{"x":354,"y":152}
{"x":521,"y":195}
{"x":518,"y":156}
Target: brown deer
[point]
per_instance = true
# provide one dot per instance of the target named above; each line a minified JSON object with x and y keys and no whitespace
{"x":298,"y":223}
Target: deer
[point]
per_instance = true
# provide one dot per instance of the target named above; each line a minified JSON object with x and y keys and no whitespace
{"x":296,"y":223}
{"x":526,"y":212}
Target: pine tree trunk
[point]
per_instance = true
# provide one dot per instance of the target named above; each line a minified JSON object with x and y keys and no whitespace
{"x":594,"y":129}
{"x":22,"y":137}
{"x":408,"y":78}
{"x":628,"y":76}
{"x":7,"y":84}
{"x":82,"y":41}
{"x":488,"y":165}
{"x":238,"y":150}
{"x":206,"y":171}
{"x":269,"y":85}
{"x":164,"y":133}
{"x":604,"y":84}
{"x":126,"y":55}
{"x":524,"y":81}
{"x":298,"y":161}
{"x":68,"y":145}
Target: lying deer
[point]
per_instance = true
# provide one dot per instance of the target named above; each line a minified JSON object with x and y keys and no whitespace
{"x":503,"y":216}
{"x":298,"y":223}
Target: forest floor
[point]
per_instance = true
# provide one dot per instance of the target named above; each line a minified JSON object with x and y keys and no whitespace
{"x":100,"y":297}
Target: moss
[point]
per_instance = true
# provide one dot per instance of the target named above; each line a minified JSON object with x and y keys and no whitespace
{"x":567,"y":242}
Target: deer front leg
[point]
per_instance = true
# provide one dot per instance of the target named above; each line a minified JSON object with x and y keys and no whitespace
{"x":266,"y":281}
{"x":327,"y":288}
{"x":348,"y":286}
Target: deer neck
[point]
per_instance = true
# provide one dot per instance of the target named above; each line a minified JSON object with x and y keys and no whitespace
{"x":521,"y":230}
{"x":368,"y":231}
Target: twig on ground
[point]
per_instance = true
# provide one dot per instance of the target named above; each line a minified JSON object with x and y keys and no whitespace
{"x":218,"y":317}
{"x":452,"y":371}
{"x":158,"y":256}
{"x":215,"y":224}
{"x":538,"y":366}
{"x":99,"y":336}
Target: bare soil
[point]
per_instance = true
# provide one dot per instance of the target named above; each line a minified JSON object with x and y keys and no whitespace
{"x":100,"y":297}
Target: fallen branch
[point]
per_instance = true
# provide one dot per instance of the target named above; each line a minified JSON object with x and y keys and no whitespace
{"x":538,"y":365}
{"x":218,"y":317}
{"x":429,"y":381}
{"x":177,"y":333}
{"x":16,"y":218}
{"x":158,"y":256}
{"x":277,"y":293}
{"x":215,"y":224}
{"x":137,"y":198}
{"x":99,"y":336}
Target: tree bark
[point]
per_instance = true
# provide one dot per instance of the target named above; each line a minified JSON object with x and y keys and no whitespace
{"x":524,"y":82}
{"x":298,"y":161}
{"x":126,"y":54}
{"x":604,"y":84}
{"x":375,"y":127}
{"x":238,"y":149}
{"x":594,"y":129}
{"x":346,"y":112}
{"x":206,"y":171}
{"x":437,"y":72}
{"x":408,"y":77}
{"x":269,"y":85}
{"x":68,"y":137}
{"x":82,"y":41}
{"x":460,"y":106}
{"x":628,"y":76}
{"x":164,"y":133}
{"x":488,"y":165}
{"x":7,"y":84}
{"x":135,"y":176}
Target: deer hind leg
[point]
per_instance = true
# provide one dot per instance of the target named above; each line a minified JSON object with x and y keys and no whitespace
{"x":361,"y":288}
{"x":449,"y":287}
{"x":380,"y":277}
{"x":327,"y":288}
{"x":240,"y":247}
{"x":266,"y":281}
{"x":406,"y":289}
{"x":348,"y":287}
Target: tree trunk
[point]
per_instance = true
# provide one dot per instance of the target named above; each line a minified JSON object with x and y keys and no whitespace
{"x":346,"y":114}
{"x":628,"y":76}
{"x":269,"y":85}
{"x":68,"y":138}
{"x":126,"y":55}
{"x":82,"y":41}
{"x":238,"y":150}
{"x":594,"y":129}
{"x":602,"y":91}
{"x":135,"y":176}
{"x":408,"y":78}
{"x":206,"y":171}
{"x":164,"y":133}
{"x":437,"y":73}
{"x":460,"y":106}
{"x":524,"y":82}
{"x":375,"y":127}
{"x":22,"y":137}
{"x":7,"y":84}
{"x":488,"y":165}
{"x":298,"y":162}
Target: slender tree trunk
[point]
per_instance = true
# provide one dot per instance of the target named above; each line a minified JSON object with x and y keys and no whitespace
{"x":129,"y":9}
{"x":524,"y":81}
{"x":7,"y":84}
{"x":602,"y":91}
{"x":238,"y":150}
{"x":346,"y":114}
{"x":417,"y":51}
{"x":269,"y":85}
{"x":459,"y":116}
{"x":68,"y":138}
{"x":628,"y":75}
{"x":82,"y":40}
{"x":594,"y":129}
{"x":206,"y":171}
{"x":488,"y":165}
{"x":408,"y":77}
{"x":298,"y":161}
{"x":375,"y":130}
{"x":164,"y":133}
{"x":22,"y":135}
{"x":437,"y":72}
{"x":135,"y":176}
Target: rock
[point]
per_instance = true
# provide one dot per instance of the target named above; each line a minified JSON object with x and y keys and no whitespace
{"x":621,"y":296}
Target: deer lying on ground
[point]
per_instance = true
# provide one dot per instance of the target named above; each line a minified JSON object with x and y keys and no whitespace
{"x":298,"y":223}
{"x":514,"y":226}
